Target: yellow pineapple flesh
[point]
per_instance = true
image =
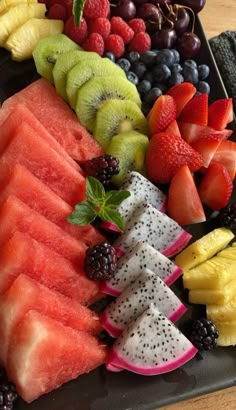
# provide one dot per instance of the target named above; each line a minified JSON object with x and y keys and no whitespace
{"x":18,"y":15}
{"x":229,"y":253}
{"x":222,"y":313}
{"x":213,"y":296}
{"x":23,"y":40}
{"x":204,"y":248}
{"x":6,"y":4}
{"x":227,"y":333}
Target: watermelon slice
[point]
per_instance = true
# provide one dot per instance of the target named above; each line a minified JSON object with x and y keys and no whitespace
{"x":28,"y":149}
{"x":42,"y":100}
{"x":15,"y":215}
{"x":24,"y":254}
{"x":43,"y":354}
{"x":26,"y":294}
{"x":25,"y":186}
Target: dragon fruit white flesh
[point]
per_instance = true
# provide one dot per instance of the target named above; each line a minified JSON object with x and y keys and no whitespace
{"x":150,"y":345}
{"x":149,"y":225}
{"x":141,"y":190}
{"x":136,"y":298}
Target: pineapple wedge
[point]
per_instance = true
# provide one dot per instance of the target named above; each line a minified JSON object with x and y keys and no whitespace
{"x":222,"y":313}
{"x":6,"y":4}
{"x":227,"y":333}
{"x":204,"y":248}
{"x":229,"y":253}
{"x":23,"y":40}
{"x":18,"y":15}
{"x":213,"y":296}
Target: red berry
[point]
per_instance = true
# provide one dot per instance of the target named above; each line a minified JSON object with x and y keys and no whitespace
{"x":140,"y":43}
{"x":65,"y":3}
{"x":137,"y":25}
{"x":96,"y":8}
{"x":120,"y":27}
{"x":57,"y":12}
{"x":115,"y":44}
{"x":77,"y":34}
{"x":100,"y":25}
{"x":94,"y":43}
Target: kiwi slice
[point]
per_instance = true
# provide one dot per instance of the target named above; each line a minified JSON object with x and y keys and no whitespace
{"x":99,"y":89}
{"x":47,"y":51}
{"x":83,"y":71}
{"x":130,"y":148}
{"x":64,"y":64}
{"x":116,"y":116}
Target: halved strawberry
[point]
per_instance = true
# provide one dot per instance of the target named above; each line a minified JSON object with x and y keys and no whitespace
{"x":196,"y":111}
{"x":192,"y":132}
{"x":216,"y":187}
{"x":226,"y":155}
{"x":166,"y":153}
{"x":220,"y":113}
{"x":162,"y":114}
{"x":173,"y":128}
{"x":184,"y":204}
{"x":207,"y":146}
{"x":182,"y":94}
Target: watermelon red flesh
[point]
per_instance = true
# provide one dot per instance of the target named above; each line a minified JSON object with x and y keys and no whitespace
{"x":24,"y":254}
{"x":43,"y":354}
{"x":49,"y":108}
{"x":21,"y":114}
{"x":26,"y":294}
{"x":38,"y":196}
{"x":15,"y":215}
{"x":28,"y":149}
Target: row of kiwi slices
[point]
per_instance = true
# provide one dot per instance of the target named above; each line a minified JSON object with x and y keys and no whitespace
{"x":105,"y":102}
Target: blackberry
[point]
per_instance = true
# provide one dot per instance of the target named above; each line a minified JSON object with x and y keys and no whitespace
{"x":8,"y":394}
{"x":102,"y":168}
{"x":100,"y":261}
{"x":203,"y":334}
{"x":227,"y":216}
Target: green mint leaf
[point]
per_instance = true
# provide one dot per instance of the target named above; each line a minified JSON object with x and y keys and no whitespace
{"x":114,"y":198}
{"x":84,"y":214}
{"x":78,"y":7}
{"x":108,"y":214}
{"x":95,"y":191}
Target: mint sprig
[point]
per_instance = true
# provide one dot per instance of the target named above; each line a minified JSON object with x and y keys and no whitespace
{"x":99,"y":203}
{"x":77,"y":10}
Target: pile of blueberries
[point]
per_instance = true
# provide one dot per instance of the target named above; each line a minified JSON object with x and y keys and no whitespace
{"x":155,"y":71}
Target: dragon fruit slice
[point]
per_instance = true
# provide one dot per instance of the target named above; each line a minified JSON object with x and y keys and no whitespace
{"x":155,"y":228}
{"x":136,"y":298}
{"x":150,"y":345}
{"x":135,"y":260}
{"x":141,"y":190}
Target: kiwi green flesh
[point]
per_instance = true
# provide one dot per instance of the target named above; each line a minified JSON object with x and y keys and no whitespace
{"x":83,"y":71}
{"x":99,"y":89}
{"x":64,"y":64}
{"x":130,"y":148}
{"x":48,"y":50}
{"x":117,"y":116}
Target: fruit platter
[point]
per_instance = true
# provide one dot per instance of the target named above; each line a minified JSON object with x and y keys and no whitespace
{"x":90,"y":210}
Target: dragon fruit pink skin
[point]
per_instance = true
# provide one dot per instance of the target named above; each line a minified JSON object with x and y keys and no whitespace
{"x":143,"y":348}
{"x":136,"y":298}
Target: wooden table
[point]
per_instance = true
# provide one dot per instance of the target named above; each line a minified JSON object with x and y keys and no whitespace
{"x":216,"y":17}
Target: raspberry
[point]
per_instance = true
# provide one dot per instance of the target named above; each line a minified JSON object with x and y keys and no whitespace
{"x":140,"y":43}
{"x":57,"y":12}
{"x":94,"y":43}
{"x":115,"y":44}
{"x":100,"y":25}
{"x":120,"y":27}
{"x":77,"y":34}
{"x":100,"y":261}
{"x":96,"y":8}
{"x":102,"y":168}
{"x":137,"y":25}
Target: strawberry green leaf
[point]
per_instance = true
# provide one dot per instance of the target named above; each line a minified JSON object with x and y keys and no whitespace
{"x":114,"y":198}
{"x":78,"y":7}
{"x":84,"y":214}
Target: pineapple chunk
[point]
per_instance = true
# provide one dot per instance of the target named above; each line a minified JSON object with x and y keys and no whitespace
{"x":227,"y":333}
{"x":18,"y":15}
{"x":23,"y":40}
{"x":204,"y":248}
{"x":229,"y":252}
{"x":222,"y":313}
{"x":6,"y":4}
{"x":213,"y":296}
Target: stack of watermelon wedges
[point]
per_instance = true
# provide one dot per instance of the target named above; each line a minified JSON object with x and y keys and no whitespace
{"x":47,"y":332}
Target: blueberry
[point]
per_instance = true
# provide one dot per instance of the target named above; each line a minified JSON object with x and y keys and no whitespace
{"x":176,"y":68}
{"x":166,"y":57}
{"x":203,"y":71}
{"x":132,"y":56}
{"x":161,"y":73}
{"x":139,"y":69}
{"x":148,"y":75}
{"x":190,"y":63}
{"x":132,"y":77}
{"x":175,"y":78}
{"x":110,"y":55}
{"x":148,"y":58}
{"x":190,"y":74}
{"x":146,"y":108}
{"x":176,"y":55}
{"x":144,"y":86}
{"x":124,"y":64}
{"x":152,"y":95}
{"x":162,"y":87}
{"x":203,"y":87}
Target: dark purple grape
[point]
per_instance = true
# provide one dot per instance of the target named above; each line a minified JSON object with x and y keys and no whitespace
{"x":148,"y":11}
{"x":188,"y":45}
{"x":195,"y":5}
{"x":165,"y":38}
{"x":126,"y":9}
{"x":182,"y":22}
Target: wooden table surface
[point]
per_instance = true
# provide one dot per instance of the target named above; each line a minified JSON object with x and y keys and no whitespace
{"x":216,"y":17}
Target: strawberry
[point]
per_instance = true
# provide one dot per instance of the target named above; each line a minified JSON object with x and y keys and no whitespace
{"x":207,"y":146}
{"x":216,"y":187}
{"x":166,"y":153}
{"x":226,"y":155}
{"x":220,"y":113}
{"x":192,"y":132}
{"x":173,"y":128}
{"x":162,"y":114}
{"x":196,"y":111}
{"x":182,"y":94}
{"x":184,"y":204}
